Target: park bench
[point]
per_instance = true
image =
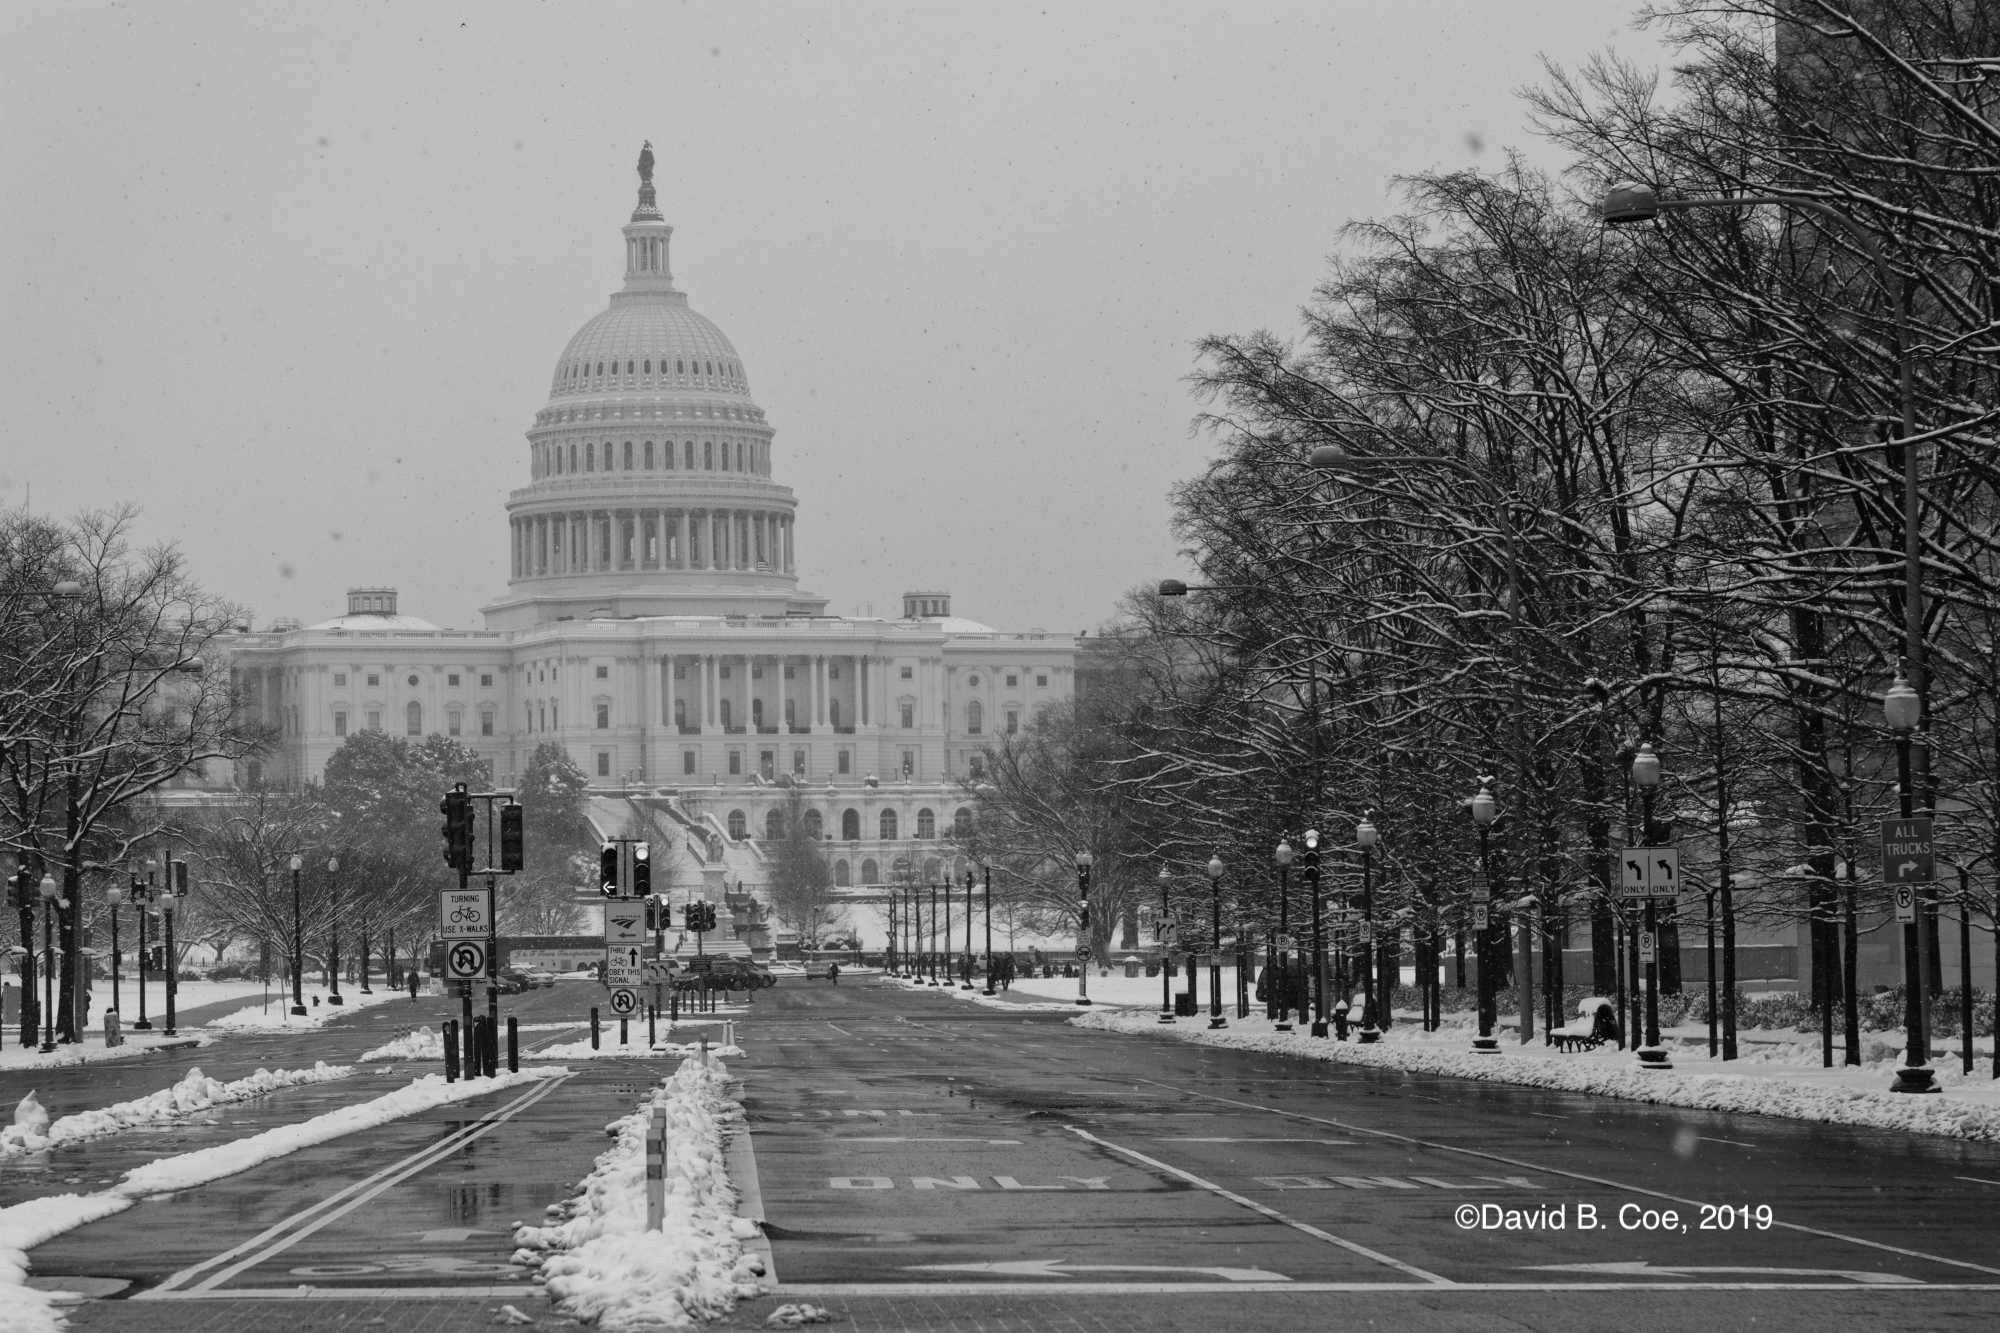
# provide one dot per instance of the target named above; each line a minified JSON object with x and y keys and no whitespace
{"x":1596,"y":1023}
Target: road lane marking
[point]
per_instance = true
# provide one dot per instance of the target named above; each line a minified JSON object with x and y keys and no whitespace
{"x":1063,"y":1268}
{"x":1977,"y":1180}
{"x":1575,"y":1175}
{"x":1265,"y":1209}
{"x":1333,"y":1143}
{"x":1703,"y":1138}
{"x":360,"y":1191}
{"x":842,"y":1138}
{"x":850,"y":1290}
{"x":1640,"y":1267}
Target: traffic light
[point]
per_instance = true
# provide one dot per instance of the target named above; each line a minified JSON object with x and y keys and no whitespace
{"x":652,"y":915}
{"x":512,"y":854}
{"x":607,"y":874}
{"x":22,"y":888}
{"x":642,"y":870}
{"x":700,"y":917}
{"x":179,"y":878}
{"x":456,"y":807}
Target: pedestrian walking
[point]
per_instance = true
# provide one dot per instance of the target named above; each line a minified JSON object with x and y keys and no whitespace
{"x":413,"y":985}
{"x":1340,"y":1018}
{"x":833,"y":973}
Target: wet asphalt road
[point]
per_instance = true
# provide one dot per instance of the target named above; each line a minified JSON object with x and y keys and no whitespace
{"x":924,"y":1163}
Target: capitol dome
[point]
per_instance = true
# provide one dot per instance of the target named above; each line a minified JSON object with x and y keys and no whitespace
{"x":650,"y":485}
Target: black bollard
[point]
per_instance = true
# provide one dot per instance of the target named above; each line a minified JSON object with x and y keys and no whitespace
{"x":593,"y":1029}
{"x":471,"y":1059}
{"x":491,"y":1048}
{"x":451,"y":1050}
{"x":624,"y":1037}
{"x":652,"y":1033}
{"x":513,"y":1045}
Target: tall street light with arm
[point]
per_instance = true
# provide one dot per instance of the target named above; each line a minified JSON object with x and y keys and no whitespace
{"x":1215,"y":1018}
{"x":1365,"y":837}
{"x":298,"y":942}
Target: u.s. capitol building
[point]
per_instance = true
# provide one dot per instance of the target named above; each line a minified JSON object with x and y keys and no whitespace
{"x":654,"y":625}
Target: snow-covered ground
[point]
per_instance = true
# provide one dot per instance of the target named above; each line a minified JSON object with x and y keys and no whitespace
{"x":1786,"y":1080}
{"x":599,"y":1261}
{"x":195,"y":1092}
{"x":92,"y":1049}
{"x":26,"y":1225}
{"x":277,"y":1015}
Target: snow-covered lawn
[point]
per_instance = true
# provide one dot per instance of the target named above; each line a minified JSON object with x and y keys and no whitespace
{"x":26,"y":1225}
{"x":277,"y":1016}
{"x":600,"y":1263}
{"x":1781,"y":1083}
{"x":33,"y":1132}
{"x":92,"y":1049}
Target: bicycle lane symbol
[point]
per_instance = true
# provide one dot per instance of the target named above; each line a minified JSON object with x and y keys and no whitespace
{"x":411,"y":1265}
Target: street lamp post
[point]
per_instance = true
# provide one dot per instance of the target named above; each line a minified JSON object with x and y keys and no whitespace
{"x":333,"y":933}
{"x":1163,"y":935}
{"x":987,"y":867}
{"x":48,"y":889}
{"x":1319,"y":938}
{"x":113,"y":896}
{"x":143,"y":894}
{"x":1903,"y":708}
{"x":298,"y":942}
{"x":1365,"y":836}
{"x":169,"y":907}
{"x":1646,"y":777}
{"x":966,"y":982}
{"x":1215,"y":1018}
{"x":1280,"y":955}
{"x":931,"y":939}
{"x":1084,"y":861}
{"x":1483,"y":811}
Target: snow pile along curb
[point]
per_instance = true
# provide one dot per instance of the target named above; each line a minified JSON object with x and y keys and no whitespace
{"x":1758,"y":1094}
{"x":195,"y":1092}
{"x":603,"y":1266}
{"x":423,"y":1044}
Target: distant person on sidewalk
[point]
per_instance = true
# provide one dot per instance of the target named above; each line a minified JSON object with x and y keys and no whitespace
{"x":833,"y":973}
{"x":1340,"y":1018}
{"x":413,"y":985}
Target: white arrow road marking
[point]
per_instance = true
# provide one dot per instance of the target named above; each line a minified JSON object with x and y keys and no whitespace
{"x":1063,"y":1268}
{"x":1640,"y":1268}
{"x":448,"y":1235}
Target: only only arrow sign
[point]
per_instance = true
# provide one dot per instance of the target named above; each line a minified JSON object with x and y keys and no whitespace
{"x":1062,"y":1268}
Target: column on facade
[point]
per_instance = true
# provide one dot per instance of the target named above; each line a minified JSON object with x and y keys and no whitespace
{"x":708,"y":689}
{"x":681,"y":532}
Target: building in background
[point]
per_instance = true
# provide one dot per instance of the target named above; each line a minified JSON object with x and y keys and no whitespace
{"x":653,"y":625}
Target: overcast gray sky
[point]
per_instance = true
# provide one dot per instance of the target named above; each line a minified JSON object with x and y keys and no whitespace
{"x":294,"y":279}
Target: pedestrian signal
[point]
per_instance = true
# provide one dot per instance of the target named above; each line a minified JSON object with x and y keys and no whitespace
{"x":512,"y":853}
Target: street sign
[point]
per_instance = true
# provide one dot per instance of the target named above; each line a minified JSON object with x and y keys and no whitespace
{"x":1165,"y":932}
{"x":1908,"y":855}
{"x":621,"y":964}
{"x":464,"y":914}
{"x":624,"y":1002}
{"x":1083,"y":953}
{"x":1650,"y":872}
{"x":1368,"y":931}
{"x":1287,"y":943}
{"x":1481,"y":890}
{"x":1645,"y":946}
{"x":465,"y":959}
{"x":624,"y":922}
{"x":1906,"y":903}
{"x":658,"y":971}
{"x":1479,"y":911}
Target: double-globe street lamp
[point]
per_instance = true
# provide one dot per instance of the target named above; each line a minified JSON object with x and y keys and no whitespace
{"x":1483,"y":811}
{"x":1278,"y":969}
{"x":965,"y":974}
{"x":113,"y":897}
{"x":333,"y":933}
{"x":49,"y":904}
{"x":1311,"y":871}
{"x":1629,"y":203}
{"x":1161,"y":935}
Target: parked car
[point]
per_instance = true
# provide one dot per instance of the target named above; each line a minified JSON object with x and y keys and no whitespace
{"x":514,"y":980}
{"x":541,"y":976}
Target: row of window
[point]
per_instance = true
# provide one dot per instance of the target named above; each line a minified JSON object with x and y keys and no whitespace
{"x":850,"y":825}
{"x":413,"y":720}
{"x":374,"y":679}
{"x":644,"y":456}
{"x":583,"y":370}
